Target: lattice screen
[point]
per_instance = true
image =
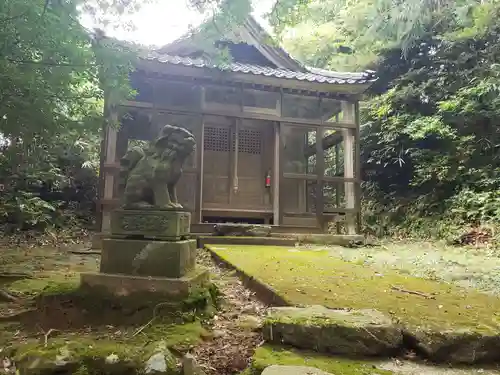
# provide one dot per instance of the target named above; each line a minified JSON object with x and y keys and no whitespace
{"x":249,"y":141}
{"x":216,"y":139}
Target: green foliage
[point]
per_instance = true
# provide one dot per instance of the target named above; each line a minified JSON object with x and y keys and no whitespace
{"x":54,"y":73}
{"x":430,"y":139}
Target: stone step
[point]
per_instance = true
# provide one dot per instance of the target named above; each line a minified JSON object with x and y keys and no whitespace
{"x":255,"y":241}
{"x":347,"y":332}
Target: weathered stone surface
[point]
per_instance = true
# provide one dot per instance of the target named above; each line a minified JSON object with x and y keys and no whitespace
{"x":293,"y":370}
{"x":461,"y":346}
{"x":148,"y":175}
{"x":235,"y":229}
{"x":148,"y":258}
{"x":161,"y":361}
{"x":124,"y":285}
{"x":190,"y":367}
{"x":331,"y":239}
{"x":89,"y":357}
{"x":354,"y":332}
{"x":153,"y":224}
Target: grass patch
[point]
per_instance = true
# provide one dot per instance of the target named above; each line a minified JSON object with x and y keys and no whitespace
{"x":317,"y":278}
{"x":269,"y":355}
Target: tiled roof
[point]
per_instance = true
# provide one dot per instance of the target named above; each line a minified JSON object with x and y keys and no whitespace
{"x":311,"y":75}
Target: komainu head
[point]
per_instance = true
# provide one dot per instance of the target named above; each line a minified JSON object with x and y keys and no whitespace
{"x":176,"y":141}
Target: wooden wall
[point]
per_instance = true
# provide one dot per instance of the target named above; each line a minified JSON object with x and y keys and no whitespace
{"x":286,"y":124}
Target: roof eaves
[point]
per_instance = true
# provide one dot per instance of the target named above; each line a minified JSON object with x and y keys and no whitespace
{"x":340,"y":78}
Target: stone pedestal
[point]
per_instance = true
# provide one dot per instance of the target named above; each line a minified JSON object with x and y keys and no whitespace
{"x":162,"y":287}
{"x":147,"y":257}
{"x":148,"y":251}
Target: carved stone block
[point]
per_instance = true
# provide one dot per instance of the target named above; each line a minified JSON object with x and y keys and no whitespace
{"x":151,"y":224}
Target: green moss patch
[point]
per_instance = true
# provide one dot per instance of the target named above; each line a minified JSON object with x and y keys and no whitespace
{"x":270,"y":355}
{"x":317,"y":278}
{"x":86,"y":357}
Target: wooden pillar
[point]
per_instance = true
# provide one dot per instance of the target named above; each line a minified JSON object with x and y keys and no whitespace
{"x":280,"y":177}
{"x":320,"y":172}
{"x":109,"y":178}
{"x":276,"y":175}
{"x":357,"y":167}
{"x":198,"y":212}
{"x":350,"y":190}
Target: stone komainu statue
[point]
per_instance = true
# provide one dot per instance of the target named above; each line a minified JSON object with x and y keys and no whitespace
{"x":148,"y":175}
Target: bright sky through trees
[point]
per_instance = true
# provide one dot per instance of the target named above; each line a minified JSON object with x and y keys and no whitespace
{"x":162,"y":22}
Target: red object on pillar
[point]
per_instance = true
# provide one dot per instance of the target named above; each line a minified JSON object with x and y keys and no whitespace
{"x":268,"y":179}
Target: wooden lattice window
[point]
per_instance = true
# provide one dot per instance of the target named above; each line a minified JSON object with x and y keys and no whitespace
{"x":249,"y":141}
{"x":216,"y":139}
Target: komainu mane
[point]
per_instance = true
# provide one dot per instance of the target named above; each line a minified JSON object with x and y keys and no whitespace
{"x":148,"y":175}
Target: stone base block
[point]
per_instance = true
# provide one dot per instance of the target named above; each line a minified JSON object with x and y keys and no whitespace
{"x":347,"y":332}
{"x":124,"y":286}
{"x":148,"y":258}
{"x":247,"y":230}
{"x":97,"y":238}
{"x":153,"y":224}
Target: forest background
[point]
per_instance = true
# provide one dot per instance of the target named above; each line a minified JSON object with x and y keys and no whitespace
{"x":430,"y":135}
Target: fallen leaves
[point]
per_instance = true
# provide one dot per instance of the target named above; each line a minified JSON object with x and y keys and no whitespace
{"x":234,"y":336}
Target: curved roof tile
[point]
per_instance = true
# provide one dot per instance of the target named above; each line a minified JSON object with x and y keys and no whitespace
{"x":312,"y":74}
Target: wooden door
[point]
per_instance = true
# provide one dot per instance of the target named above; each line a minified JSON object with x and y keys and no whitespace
{"x":251,"y":166}
{"x":216,"y":163}
{"x":237,"y":156}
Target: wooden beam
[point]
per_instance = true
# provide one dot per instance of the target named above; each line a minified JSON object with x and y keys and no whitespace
{"x":239,"y":114}
{"x":314,"y":177}
{"x":328,"y":142}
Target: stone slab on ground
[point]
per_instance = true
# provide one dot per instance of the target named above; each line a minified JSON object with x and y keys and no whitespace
{"x":241,"y":240}
{"x":153,"y":224}
{"x":147,"y":257}
{"x":460,"y":346}
{"x":293,"y":370}
{"x":125,"y":285}
{"x":351,"y":332}
{"x":237,"y":229}
{"x":331,"y":239}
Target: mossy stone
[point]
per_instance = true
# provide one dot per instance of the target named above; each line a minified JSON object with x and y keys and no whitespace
{"x":268,"y":355}
{"x":87,"y":357}
{"x":461,"y":346}
{"x":148,"y":258}
{"x":351,"y":332}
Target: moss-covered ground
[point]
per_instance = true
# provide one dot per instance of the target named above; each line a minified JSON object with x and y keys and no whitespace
{"x":52,"y":310}
{"x":318,"y":277}
{"x":270,"y":355}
